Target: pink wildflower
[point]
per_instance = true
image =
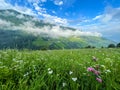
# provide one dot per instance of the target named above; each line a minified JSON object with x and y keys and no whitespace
{"x":99,"y":80}
{"x":96,"y":72}
{"x":90,"y":69}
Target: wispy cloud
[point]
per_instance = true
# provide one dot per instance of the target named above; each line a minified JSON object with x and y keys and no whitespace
{"x":107,"y":23}
{"x":110,"y":14}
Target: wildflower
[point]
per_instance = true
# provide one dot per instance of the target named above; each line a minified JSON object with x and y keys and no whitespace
{"x":99,"y":80}
{"x":96,"y":72}
{"x":108,"y":71}
{"x":70,"y":72}
{"x":64,"y":84}
{"x":50,"y":72}
{"x":74,"y":79}
{"x":90,"y":69}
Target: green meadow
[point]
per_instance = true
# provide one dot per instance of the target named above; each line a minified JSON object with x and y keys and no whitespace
{"x":80,"y":69}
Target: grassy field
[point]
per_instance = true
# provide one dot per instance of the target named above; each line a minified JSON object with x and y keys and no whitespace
{"x":83,"y":69}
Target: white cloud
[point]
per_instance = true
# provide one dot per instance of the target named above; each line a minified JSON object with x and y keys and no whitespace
{"x":41,"y":11}
{"x":110,"y":14}
{"x":54,"y":32}
{"x":24,"y":10}
{"x":38,"y":8}
{"x":97,"y":17}
{"x":20,"y":16}
{"x":54,"y":19}
{"x":58,"y":2}
{"x":4,"y":5}
{"x":53,"y":12}
{"x":49,"y":18}
{"x":108,"y":23}
{"x":5,"y":24}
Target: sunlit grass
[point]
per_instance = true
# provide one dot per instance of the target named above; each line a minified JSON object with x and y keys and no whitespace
{"x":60,"y":69}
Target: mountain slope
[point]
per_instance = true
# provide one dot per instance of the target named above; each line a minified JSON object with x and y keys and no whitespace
{"x":23,"y":31}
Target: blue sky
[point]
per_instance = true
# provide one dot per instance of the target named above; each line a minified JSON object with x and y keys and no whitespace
{"x":102,"y":16}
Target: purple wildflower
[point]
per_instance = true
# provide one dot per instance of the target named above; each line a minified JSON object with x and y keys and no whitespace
{"x":90,"y":69}
{"x":99,"y":80}
{"x":96,"y":72}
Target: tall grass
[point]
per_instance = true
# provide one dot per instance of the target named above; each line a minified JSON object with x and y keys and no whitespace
{"x":60,"y":69}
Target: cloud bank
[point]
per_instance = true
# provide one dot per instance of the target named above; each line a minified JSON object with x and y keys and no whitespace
{"x":54,"y":31}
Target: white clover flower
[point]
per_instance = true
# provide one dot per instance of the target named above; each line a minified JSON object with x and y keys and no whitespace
{"x":74,"y":79}
{"x":50,"y":72}
{"x":64,"y":84}
{"x":49,"y":69}
{"x":70,"y":72}
{"x":107,"y":71}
